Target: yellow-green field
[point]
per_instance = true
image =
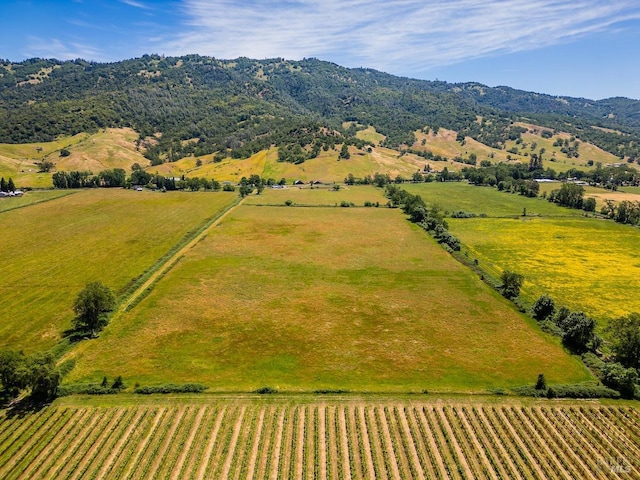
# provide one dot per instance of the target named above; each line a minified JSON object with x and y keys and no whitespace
{"x":323,"y":298}
{"x":583,"y":263}
{"x":52,"y":249}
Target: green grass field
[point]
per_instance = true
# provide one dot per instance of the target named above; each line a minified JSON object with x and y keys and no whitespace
{"x":30,"y":198}
{"x":324,"y":195}
{"x":323,"y":298}
{"x":452,"y":196}
{"x":52,"y":249}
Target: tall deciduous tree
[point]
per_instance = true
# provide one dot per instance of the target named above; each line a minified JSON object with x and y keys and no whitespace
{"x":91,"y":306}
{"x":625,"y":339}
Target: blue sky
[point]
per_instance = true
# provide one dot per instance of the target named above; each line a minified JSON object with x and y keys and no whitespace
{"x":580,"y":48}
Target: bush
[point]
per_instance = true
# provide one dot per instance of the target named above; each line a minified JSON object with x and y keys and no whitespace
{"x":324,"y":392}
{"x":568,"y":391}
{"x":171,"y":388}
{"x":266,"y":390}
{"x":85,"y":389}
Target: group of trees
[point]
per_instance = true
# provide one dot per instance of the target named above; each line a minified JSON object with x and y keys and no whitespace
{"x":577,"y":331}
{"x":572,"y":195}
{"x":7,"y":185}
{"x":37,"y":373}
{"x":623,"y":212}
{"x":86,"y":179}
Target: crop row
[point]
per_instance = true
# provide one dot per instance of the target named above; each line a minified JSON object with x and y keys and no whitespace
{"x":322,"y":441}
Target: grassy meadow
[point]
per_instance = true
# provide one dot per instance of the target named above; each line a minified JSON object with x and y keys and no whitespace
{"x":453,"y":196}
{"x":323,"y":195}
{"x":52,"y":249}
{"x":30,"y":198}
{"x":323,"y":298}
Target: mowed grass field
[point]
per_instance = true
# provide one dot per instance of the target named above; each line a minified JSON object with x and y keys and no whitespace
{"x":310,"y":298}
{"x":29,"y":198}
{"x":51,"y":250}
{"x":322,"y":438}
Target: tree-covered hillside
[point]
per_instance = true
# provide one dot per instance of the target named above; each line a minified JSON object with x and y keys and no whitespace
{"x":238,"y":107}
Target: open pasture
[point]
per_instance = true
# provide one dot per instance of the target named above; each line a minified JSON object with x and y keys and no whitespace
{"x":50,"y":250}
{"x":30,"y":198}
{"x":585,"y":264}
{"x":323,"y":195}
{"x":301,"y":299}
{"x":327,"y":440}
{"x":453,"y":196}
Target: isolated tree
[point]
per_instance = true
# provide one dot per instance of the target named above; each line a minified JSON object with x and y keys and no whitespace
{"x":11,"y":187}
{"x":541,"y":383}
{"x":624,"y":380}
{"x":624,"y":333}
{"x":344,"y":152}
{"x":3,"y":185}
{"x":511,"y":283}
{"x":91,"y":306}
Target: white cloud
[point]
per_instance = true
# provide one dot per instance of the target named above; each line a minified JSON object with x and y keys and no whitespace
{"x":55,"y":48}
{"x":389,"y":35}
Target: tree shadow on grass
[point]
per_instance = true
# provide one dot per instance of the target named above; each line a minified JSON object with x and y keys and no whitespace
{"x":20,"y":407}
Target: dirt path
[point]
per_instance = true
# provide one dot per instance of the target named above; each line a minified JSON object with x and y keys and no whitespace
{"x":322,"y":439}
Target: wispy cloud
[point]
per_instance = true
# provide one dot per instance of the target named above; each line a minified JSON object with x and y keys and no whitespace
{"x":134,"y":3}
{"x":394,"y":35}
{"x":55,"y":48}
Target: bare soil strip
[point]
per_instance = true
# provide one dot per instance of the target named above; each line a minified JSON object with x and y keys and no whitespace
{"x":423,"y":445}
{"x":277,"y":444}
{"x":67,"y":462}
{"x":130,"y":448}
{"x":122,"y":439}
{"x":298,"y":466}
{"x":37,"y":456}
{"x":210,"y":444}
{"x":515,"y":437}
{"x":405,"y":431}
{"x":23,"y":433}
{"x":176,"y":446}
{"x":375,"y":439}
{"x":142,"y":446}
{"x":388,"y":444}
{"x":231,"y":449}
{"x":322,"y":439}
{"x":311,"y":443}
{"x":224,"y":437}
{"x":485,"y":446}
{"x":343,"y":438}
{"x":402,"y":457}
{"x":287,"y":449}
{"x":365,"y":436}
{"x":58,"y":450}
{"x":96,"y":444}
{"x":257,"y":441}
{"x":186,"y":448}
{"x":266,"y":443}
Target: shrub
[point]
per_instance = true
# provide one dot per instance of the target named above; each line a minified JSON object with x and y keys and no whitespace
{"x":266,"y":390}
{"x":171,"y":388}
{"x":568,"y":391}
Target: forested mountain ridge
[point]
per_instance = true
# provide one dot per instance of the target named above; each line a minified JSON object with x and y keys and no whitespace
{"x":238,"y":107}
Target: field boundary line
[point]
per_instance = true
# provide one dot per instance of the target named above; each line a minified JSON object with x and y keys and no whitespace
{"x":145,"y":287}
